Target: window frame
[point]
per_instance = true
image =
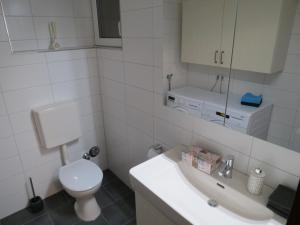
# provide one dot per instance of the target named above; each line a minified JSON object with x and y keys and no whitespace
{"x":107,"y":42}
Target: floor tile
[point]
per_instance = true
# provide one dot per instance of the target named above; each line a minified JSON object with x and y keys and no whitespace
{"x":114,"y":215}
{"x":69,"y":198}
{"x":99,"y":221}
{"x":117,"y":189}
{"x":42,"y":220}
{"x":108,"y":176}
{"x":127,"y":208}
{"x":20,"y":217}
{"x":103,"y":198}
{"x":56,"y":200}
{"x":64,"y":215}
{"x":132,"y":222}
{"x":129,"y":200}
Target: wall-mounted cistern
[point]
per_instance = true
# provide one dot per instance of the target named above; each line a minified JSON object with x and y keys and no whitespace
{"x":226,"y":167}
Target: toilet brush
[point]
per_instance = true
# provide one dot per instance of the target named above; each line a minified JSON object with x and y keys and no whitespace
{"x":35,"y":203}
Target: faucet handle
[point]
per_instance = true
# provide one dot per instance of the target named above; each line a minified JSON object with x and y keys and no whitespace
{"x":225,"y":169}
{"x":228,"y":158}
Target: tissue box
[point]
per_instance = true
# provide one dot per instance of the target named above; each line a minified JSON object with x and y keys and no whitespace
{"x":201,"y":159}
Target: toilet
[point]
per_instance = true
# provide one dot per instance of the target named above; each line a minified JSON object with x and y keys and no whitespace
{"x":57,"y":125}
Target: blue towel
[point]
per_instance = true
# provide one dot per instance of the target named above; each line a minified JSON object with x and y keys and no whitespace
{"x":251,"y":99}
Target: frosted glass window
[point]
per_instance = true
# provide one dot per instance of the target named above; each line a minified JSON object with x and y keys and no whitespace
{"x":107,"y":22}
{"x":109,"y":18}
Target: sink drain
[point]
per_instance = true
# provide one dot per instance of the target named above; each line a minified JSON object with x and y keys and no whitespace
{"x":212,"y":203}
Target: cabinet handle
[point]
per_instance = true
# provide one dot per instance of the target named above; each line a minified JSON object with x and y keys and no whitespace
{"x":221,"y":57}
{"x":215,"y":59}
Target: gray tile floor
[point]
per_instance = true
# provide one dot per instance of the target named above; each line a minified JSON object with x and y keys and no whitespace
{"x":114,"y":197}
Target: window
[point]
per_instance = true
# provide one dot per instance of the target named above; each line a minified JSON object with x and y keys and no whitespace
{"x":107,"y":22}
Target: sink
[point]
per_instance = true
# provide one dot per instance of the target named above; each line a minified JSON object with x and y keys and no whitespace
{"x":224,"y":195}
{"x":197,"y":198}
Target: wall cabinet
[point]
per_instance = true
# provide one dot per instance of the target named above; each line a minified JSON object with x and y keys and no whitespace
{"x":258,"y":39}
{"x":204,"y":41}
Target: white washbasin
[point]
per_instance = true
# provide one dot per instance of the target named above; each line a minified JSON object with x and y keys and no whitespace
{"x":174,"y":187}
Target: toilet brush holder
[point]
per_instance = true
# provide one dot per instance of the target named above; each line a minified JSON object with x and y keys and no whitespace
{"x":36,"y":203}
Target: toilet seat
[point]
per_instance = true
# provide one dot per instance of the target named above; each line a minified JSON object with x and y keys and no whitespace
{"x":81,"y":175}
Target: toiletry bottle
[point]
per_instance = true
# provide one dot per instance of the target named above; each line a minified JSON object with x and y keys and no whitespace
{"x":256,"y":181}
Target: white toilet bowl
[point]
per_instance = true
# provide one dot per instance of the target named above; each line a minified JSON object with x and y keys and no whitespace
{"x":82,"y":179}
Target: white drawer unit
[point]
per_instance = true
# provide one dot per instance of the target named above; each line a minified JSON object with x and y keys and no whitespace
{"x":211,"y":107}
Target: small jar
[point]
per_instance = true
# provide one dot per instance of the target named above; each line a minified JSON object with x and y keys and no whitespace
{"x":256,"y":181}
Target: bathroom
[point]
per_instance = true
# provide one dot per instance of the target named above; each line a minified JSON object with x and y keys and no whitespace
{"x":120,"y":90}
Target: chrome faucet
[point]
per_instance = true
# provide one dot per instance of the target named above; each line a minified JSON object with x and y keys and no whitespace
{"x":226,"y":168}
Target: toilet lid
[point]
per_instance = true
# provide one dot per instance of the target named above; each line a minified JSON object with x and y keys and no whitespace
{"x":81,"y":175}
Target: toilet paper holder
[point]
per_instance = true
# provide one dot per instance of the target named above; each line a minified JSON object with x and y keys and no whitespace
{"x":93,"y":152}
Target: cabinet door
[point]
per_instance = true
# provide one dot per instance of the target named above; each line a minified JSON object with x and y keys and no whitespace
{"x":230,"y":8}
{"x":256,"y":32}
{"x":201,"y":31}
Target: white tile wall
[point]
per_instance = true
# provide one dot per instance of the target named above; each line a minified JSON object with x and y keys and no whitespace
{"x":28,"y":23}
{"x":113,"y":69}
{"x":82,"y":8}
{"x":140,"y":120}
{"x":114,"y":107}
{"x":25,"y":99}
{"x":20,"y":77}
{"x":9,"y":167}
{"x":135,"y":120}
{"x":170,"y":134}
{"x":5,"y":130}
{"x":70,"y":70}
{"x":13,"y":193}
{"x":2,"y":106}
{"x":128,"y":87}
{"x":138,"y":23}
{"x":139,"y":76}
{"x":17,"y":7}
{"x":29,"y":80}
{"x":296,"y":29}
{"x":52,"y":8}
{"x":8,"y":147}
{"x":76,"y":89}
{"x":21,"y":28}
{"x":3,"y":35}
{"x":139,"y":99}
{"x":7,"y":59}
{"x":113,"y":89}
{"x":138,"y":145}
{"x":135,"y":4}
{"x":139,"y":50}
